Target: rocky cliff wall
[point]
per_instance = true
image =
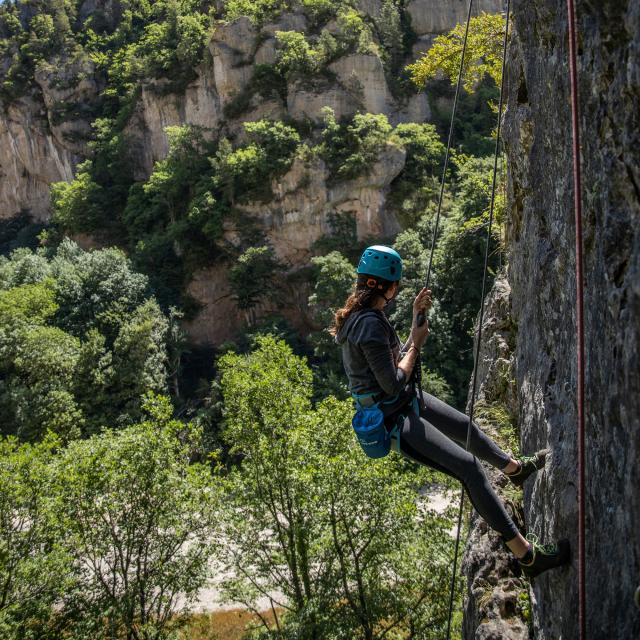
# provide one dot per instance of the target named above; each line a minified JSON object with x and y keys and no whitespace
{"x":45,"y":136}
{"x":497,"y":600}
{"x":541,"y":273}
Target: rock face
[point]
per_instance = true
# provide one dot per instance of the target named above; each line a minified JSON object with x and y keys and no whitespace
{"x":43,"y":139}
{"x":45,"y":136}
{"x":542,"y":276}
{"x":31,"y":158}
{"x":496,"y":601}
{"x":437,"y":16}
{"x":296,"y":217}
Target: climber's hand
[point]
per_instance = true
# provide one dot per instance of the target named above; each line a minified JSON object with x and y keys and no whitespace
{"x":422,"y":303}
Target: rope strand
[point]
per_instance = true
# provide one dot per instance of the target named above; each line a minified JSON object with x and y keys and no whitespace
{"x":481,"y":318}
{"x":577,"y":197}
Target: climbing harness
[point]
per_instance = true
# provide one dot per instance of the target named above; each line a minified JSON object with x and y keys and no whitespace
{"x":421,"y":317}
{"x":368,"y":419}
{"x":577,"y":199}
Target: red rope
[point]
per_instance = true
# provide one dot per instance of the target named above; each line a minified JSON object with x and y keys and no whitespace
{"x":577,"y":196}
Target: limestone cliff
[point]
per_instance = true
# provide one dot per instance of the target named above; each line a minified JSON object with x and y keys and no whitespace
{"x":541,"y":274}
{"x":496,"y":605}
{"x":45,"y":135}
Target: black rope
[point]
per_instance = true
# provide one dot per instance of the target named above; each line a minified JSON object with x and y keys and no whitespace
{"x":421,"y":317}
{"x":420,"y":320}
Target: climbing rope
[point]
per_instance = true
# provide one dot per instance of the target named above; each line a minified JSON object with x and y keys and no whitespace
{"x":421,"y":317}
{"x":577,"y":198}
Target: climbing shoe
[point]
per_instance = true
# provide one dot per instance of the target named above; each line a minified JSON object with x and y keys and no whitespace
{"x":528,"y":465}
{"x":545,"y":556}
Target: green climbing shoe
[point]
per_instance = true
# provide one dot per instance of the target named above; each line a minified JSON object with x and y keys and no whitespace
{"x":545,"y":556}
{"x":528,"y":465}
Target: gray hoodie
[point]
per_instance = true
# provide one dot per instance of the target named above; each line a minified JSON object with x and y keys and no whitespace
{"x":370,"y":351}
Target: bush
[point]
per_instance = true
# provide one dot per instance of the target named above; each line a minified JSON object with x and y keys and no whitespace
{"x":296,"y":58}
{"x":80,"y":341}
{"x":350,"y":149}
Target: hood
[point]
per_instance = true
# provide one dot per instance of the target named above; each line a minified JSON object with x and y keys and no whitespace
{"x":341,"y":336}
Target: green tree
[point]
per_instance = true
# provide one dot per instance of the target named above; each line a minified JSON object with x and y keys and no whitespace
{"x":482,"y":57}
{"x":350,"y":149}
{"x":457,"y":275}
{"x":296,"y":58}
{"x":258,"y":11}
{"x":35,"y":570}
{"x":389,"y":26}
{"x":254,"y":276}
{"x":95,"y":289}
{"x":333,"y":283}
{"x":81,"y":342}
{"x":314,"y":519}
{"x":139,"y":521}
{"x":418,"y":184}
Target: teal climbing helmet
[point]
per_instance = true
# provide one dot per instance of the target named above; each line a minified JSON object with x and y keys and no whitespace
{"x":381,"y":262}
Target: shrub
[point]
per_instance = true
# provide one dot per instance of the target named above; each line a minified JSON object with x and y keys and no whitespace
{"x":350,"y":149}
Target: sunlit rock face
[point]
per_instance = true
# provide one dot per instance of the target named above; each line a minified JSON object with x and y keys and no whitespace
{"x":31,"y":158}
{"x":438,"y":16}
{"x":44,"y":136}
{"x":541,"y":273}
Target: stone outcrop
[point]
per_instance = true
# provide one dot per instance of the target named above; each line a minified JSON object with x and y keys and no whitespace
{"x":497,"y":599}
{"x":31,"y":158}
{"x":70,"y":91}
{"x":297,"y":216}
{"x":541,"y":272}
{"x":437,"y":16}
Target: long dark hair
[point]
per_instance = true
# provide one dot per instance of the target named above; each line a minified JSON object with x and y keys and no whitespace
{"x":366,"y":290}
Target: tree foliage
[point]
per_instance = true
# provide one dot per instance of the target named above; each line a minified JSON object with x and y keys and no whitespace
{"x":81,"y":342}
{"x":139,"y":521}
{"x":418,"y":183}
{"x":108,"y":538}
{"x":315,"y":520}
{"x":483,"y":55}
{"x":351,"y":148}
{"x":34,"y":564}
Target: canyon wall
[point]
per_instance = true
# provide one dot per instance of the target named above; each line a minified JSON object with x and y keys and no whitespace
{"x":541,"y":274}
{"x":44,"y":136}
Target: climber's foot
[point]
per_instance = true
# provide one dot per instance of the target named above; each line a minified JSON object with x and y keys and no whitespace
{"x":545,"y":556}
{"x":528,"y":465}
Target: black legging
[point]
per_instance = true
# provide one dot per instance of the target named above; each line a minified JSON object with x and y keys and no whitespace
{"x":428,"y":439}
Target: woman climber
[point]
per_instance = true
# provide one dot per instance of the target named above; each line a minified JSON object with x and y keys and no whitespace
{"x":380,"y":370}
